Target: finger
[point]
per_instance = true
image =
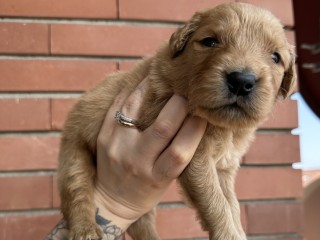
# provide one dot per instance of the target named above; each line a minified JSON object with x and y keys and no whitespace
{"x":124,"y":102}
{"x":132,"y":105}
{"x":155,"y":138}
{"x":109,"y":121}
{"x":177,"y":156}
{"x":122,"y":141}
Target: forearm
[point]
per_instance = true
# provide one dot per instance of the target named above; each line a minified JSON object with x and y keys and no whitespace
{"x":110,"y":230}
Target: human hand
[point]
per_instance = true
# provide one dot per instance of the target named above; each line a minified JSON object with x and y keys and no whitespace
{"x":134,"y":169}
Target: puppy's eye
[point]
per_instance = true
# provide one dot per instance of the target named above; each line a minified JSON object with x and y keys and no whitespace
{"x":209,"y":42}
{"x":276,"y":57}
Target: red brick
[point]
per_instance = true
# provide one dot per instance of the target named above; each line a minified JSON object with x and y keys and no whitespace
{"x":27,"y":227}
{"x":179,"y":10}
{"x":24,"y":114}
{"x":268,"y":183}
{"x":59,"y":111}
{"x":24,"y":38}
{"x":291,"y":37}
{"x":181,"y":222}
{"x":244,"y":220}
{"x":273,"y":149}
{"x":282,"y":217}
{"x":52,"y":75}
{"x":25,"y":192}
{"x":114,"y":40}
{"x":172,"y":194}
{"x":127,"y":65}
{"x":284,"y":116}
{"x":175,"y":223}
{"x":282,"y":9}
{"x":257,"y":183}
{"x":28,"y":153}
{"x":65,"y":9}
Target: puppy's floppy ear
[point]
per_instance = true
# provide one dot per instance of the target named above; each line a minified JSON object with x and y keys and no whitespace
{"x":290,"y":77}
{"x":180,"y":37}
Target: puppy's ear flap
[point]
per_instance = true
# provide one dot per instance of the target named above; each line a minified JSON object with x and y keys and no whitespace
{"x":180,"y":37}
{"x":290,"y":77}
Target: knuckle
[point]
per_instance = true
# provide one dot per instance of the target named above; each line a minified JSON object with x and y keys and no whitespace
{"x":163,"y":130}
{"x":177,"y":156}
{"x":131,"y":102}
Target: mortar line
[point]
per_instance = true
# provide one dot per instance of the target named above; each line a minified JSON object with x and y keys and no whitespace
{"x":53,"y":133}
{"x":271,"y":200}
{"x":43,"y":95}
{"x":264,"y":166}
{"x":105,"y":22}
{"x":69,"y":57}
{"x":52,"y":211}
{"x":274,"y":236}
{"x":27,"y":173}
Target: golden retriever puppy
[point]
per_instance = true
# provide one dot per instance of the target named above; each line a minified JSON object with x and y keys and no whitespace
{"x":231,"y":63}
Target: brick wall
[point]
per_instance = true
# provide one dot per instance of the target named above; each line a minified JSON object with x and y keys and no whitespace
{"x":51,"y":51}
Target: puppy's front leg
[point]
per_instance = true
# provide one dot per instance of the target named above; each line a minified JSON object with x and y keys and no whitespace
{"x":201,"y":182}
{"x":226,"y":178}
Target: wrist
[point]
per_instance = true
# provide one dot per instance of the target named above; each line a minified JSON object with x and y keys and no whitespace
{"x":110,"y":209}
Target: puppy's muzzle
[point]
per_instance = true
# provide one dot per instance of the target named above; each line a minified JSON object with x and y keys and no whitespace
{"x":241,"y":83}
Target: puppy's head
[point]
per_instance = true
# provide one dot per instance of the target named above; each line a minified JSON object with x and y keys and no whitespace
{"x":235,"y":61}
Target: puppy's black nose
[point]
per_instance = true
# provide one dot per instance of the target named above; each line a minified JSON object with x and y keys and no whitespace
{"x":240,"y":83}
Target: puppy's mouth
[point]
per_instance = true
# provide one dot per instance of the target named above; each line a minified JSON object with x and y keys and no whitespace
{"x":236,"y":107}
{"x":227,"y":107}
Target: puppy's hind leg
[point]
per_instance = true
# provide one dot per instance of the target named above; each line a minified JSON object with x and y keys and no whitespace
{"x":76,"y":174}
{"x":144,"y":228}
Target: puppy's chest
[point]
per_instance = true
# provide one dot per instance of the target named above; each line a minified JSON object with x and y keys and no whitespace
{"x":223,"y":148}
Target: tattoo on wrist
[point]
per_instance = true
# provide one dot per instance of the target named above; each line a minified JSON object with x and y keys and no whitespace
{"x":58,"y":231}
{"x":111,"y":231}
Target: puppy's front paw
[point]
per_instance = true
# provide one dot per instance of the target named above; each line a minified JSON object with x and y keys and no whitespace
{"x":88,"y":232}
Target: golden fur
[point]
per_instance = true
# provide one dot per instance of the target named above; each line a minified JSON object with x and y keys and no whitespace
{"x":247,"y":36}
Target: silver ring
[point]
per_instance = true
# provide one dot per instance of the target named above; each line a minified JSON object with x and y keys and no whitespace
{"x":124,"y":120}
